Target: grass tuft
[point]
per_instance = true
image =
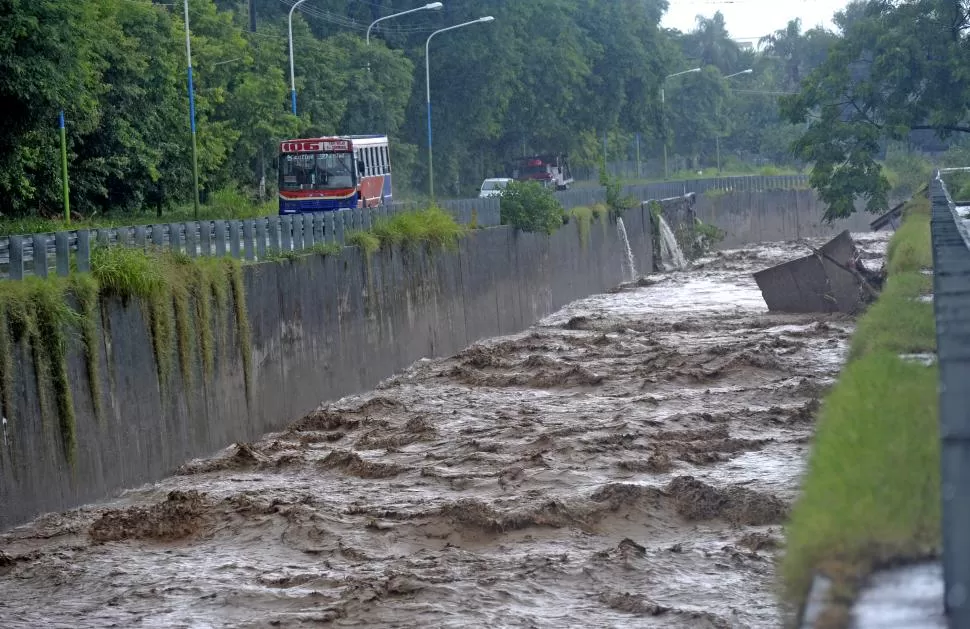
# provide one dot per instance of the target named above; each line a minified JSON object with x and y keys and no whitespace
{"x":584,"y":218}
{"x":86,"y":291}
{"x":433,"y":226}
{"x":127,"y":272}
{"x":365,"y":241}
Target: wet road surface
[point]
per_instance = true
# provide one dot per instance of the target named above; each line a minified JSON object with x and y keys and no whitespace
{"x":627,"y":462}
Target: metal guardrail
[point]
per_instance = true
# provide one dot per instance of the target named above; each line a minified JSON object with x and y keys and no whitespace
{"x":951,"y":299}
{"x":250,"y":239}
{"x":669,"y":189}
{"x":43,"y":254}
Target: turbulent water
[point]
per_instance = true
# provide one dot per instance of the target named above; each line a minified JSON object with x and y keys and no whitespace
{"x":631,"y":263}
{"x":626,"y":462}
{"x":671,"y":255}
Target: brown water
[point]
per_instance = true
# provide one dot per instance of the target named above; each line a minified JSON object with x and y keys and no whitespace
{"x":626,"y":462}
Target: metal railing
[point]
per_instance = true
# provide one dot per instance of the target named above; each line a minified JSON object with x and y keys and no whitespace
{"x":46,"y":253}
{"x":248,"y":239}
{"x":669,"y":189}
{"x":951,"y":299}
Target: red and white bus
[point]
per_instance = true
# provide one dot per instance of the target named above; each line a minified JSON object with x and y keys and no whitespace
{"x":334,"y":173}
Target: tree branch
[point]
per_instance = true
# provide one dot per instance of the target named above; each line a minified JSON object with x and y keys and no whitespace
{"x":926,"y":127}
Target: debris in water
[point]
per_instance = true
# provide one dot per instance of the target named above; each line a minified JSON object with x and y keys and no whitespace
{"x":832,"y":279}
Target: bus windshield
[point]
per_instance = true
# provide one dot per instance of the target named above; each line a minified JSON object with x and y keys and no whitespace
{"x":317,"y":171}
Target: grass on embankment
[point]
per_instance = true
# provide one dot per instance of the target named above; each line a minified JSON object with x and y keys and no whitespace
{"x":432,"y":226}
{"x":871,"y":493}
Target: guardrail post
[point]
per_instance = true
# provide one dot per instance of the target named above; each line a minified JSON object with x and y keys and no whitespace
{"x":319,"y":235}
{"x":308,"y":235}
{"x":40,"y":254}
{"x":274,"y":233}
{"x":220,"y":238}
{"x":249,"y":236}
{"x":298,"y":237}
{"x":286,"y":233}
{"x":340,"y":227}
{"x":158,"y":236}
{"x":234,"y":239}
{"x":205,"y":238}
{"x":83,"y":250}
{"x":141,"y":235}
{"x":62,"y":252}
{"x":175,"y":237}
{"x":261,"y":238}
{"x":16,"y":257}
{"x":191,"y":239}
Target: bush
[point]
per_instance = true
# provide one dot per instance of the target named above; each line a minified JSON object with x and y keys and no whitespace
{"x":528,"y":206}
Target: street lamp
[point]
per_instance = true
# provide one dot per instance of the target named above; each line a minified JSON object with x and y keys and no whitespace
{"x":717,"y":135}
{"x":663,"y":110}
{"x":433,"y":6}
{"x":292,"y":75}
{"x":427,"y":80}
{"x":195,"y":150}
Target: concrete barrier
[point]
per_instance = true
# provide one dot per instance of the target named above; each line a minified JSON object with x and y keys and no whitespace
{"x":322,"y":327}
{"x":771,"y":215}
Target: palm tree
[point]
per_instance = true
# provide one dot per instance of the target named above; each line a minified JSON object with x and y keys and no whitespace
{"x":713,"y":44}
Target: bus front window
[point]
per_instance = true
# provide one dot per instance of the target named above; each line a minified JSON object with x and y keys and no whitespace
{"x":317,"y":171}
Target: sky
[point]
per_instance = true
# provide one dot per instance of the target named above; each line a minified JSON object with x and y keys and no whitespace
{"x":752,"y":19}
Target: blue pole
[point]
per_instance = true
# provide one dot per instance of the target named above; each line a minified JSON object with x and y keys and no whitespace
{"x":195,"y":149}
{"x":430,"y":166}
{"x":67,"y":198}
{"x":293,"y":100}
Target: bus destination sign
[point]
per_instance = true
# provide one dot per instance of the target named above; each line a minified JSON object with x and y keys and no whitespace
{"x":315,"y":146}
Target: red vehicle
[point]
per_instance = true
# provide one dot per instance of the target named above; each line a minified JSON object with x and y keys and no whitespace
{"x":334,"y":173}
{"x":550,"y":170}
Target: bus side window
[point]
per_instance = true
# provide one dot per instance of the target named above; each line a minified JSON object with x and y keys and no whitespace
{"x":383,"y":153}
{"x":387,"y":158}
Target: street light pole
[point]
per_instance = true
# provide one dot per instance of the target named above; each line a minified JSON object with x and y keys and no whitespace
{"x":195,"y":150}
{"x":292,"y":73}
{"x":427,"y":82}
{"x":717,"y":134}
{"x":432,"y":6}
{"x":663,"y":111}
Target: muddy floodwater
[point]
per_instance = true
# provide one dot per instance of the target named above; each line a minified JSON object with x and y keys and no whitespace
{"x":626,"y":462}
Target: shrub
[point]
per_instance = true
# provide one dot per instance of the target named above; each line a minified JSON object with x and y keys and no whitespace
{"x":526,"y":205}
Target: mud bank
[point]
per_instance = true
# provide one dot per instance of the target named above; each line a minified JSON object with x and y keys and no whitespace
{"x":627,"y":461}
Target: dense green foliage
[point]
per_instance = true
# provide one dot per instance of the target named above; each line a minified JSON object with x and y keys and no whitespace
{"x":529,"y":206}
{"x":546,"y":75}
{"x":897,"y":74}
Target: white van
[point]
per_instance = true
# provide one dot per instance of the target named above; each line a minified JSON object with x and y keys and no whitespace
{"x":493,"y":187}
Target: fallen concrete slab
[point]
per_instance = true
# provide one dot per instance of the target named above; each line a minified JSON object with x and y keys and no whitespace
{"x":831,"y":279}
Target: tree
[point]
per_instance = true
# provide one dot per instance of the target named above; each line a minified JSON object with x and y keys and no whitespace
{"x":899,"y":68}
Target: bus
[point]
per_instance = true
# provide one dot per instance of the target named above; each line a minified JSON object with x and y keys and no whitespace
{"x":334,"y":173}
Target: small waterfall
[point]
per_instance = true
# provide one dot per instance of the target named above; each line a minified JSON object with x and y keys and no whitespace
{"x":631,"y":263}
{"x":671,"y":254}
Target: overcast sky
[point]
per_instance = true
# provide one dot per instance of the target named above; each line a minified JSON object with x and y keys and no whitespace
{"x":752,"y":19}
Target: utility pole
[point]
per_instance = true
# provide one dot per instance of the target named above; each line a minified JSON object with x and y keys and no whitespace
{"x":252,"y":16}
{"x":195,"y":150}
{"x":638,"y":155}
{"x":67,"y":198}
